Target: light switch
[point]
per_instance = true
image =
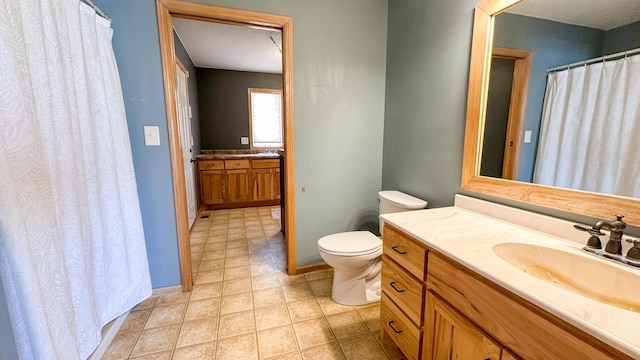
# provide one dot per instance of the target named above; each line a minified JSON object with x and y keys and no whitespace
{"x":244,"y":140}
{"x":152,"y":136}
{"x":527,"y":136}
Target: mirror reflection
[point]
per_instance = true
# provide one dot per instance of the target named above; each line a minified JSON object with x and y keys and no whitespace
{"x":573,"y":126}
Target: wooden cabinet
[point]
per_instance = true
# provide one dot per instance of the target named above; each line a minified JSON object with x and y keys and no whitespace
{"x":459,"y":314}
{"x":455,"y":337}
{"x":239,"y":182}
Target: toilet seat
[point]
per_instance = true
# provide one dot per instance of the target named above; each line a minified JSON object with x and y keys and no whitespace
{"x":352,"y":243}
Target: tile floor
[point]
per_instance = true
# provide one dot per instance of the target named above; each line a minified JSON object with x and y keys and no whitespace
{"x":244,"y":306}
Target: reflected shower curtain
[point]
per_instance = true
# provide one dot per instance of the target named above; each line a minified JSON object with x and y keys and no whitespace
{"x":590,"y":130}
{"x":72,"y":251}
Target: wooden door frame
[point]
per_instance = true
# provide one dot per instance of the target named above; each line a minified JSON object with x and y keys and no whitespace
{"x":165,"y":10}
{"x":518,"y":102}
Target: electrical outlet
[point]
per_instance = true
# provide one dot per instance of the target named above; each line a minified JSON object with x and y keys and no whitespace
{"x":527,"y":136}
{"x":152,"y":136}
{"x":303,"y":189}
{"x":244,"y":140}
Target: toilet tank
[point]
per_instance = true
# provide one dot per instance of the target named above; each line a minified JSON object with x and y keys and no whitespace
{"x":392,"y":201}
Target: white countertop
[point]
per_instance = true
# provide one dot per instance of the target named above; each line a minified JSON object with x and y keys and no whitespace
{"x":468,"y":238}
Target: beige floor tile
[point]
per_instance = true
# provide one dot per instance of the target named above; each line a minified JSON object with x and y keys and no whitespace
{"x":202,"y":308}
{"x":253,"y":226}
{"x":206,"y":351}
{"x":146,"y":304}
{"x":347,"y":324}
{"x":165,"y":355}
{"x":258,"y":249}
{"x":166,"y":315}
{"x":268,"y":297}
{"x":321,"y":287}
{"x":214,"y":254}
{"x":312,"y":333}
{"x":213,"y":264}
{"x":237,"y":272}
{"x":210,"y":276}
{"x":263,"y":268}
{"x":237,"y":243}
{"x":257,"y":240}
{"x":237,"y":323}
{"x":236,"y":261}
{"x":330,"y":307}
{"x":318,"y":275}
{"x":236,"y":302}
{"x":219,"y":225}
{"x":299,"y":291}
{"x":243,"y":347}
{"x":291,"y":279}
{"x":330,"y":351}
{"x":135,"y":321}
{"x":391,"y":351}
{"x":236,"y":230}
{"x":370,"y":314}
{"x":213,"y":246}
{"x":362,"y":347}
{"x":238,"y":251}
{"x":204,"y":291}
{"x":156,"y":340}
{"x":198,"y":240}
{"x":304,"y":310}
{"x":198,"y":331}
{"x":236,"y":286}
{"x":271,"y":316}
{"x":264,"y":282}
{"x":292,"y":356}
{"x":121,"y":346}
{"x":276,"y":341}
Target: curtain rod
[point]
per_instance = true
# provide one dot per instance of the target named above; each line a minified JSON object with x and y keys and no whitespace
{"x":591,"y":61}
{"x":96,"y":9}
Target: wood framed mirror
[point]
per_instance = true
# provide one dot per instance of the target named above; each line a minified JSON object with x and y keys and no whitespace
{"x":574,"y":201}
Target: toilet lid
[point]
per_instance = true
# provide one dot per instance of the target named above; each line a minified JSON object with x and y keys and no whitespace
{"x":350,"y":243}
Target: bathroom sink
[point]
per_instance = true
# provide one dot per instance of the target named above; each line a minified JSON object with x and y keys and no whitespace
{"x":576,"y":272}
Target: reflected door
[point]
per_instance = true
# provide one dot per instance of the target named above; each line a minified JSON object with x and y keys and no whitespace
{"x":186,"y":140}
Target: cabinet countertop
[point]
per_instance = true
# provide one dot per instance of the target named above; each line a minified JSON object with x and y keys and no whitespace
{"x":237,"y":156}
{"x":468,"y":238}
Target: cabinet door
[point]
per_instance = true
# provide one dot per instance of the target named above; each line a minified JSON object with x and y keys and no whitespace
{"x":238,"y":186}
{"x":212,"y":187}
{"x":262,"y":184}
{"x":276,"y":183}
{"x":452,"y":336}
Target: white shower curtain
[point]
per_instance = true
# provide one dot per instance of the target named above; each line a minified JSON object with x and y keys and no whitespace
{"x":72,"y":251}
{"x":590,"y":126}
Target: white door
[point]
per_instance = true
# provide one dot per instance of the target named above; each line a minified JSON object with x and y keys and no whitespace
{"x":186,"y":140}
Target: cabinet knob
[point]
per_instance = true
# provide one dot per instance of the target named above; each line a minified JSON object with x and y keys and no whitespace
{"x":395,"y":248}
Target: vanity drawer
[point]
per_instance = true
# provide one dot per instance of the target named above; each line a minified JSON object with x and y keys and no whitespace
{"x":400,"y":329}
{"x":403,"y":289}
{"x":408,"y":253}
{"x":236,"y":164}
{"x":210,"y":165}
{"x":265,"y":163}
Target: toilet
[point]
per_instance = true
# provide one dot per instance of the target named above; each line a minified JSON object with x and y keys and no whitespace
{"x":355,"y":255}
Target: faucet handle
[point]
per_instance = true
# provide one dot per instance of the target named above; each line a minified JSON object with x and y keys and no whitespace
{"x":594,"y":240}
{"x":592,"y":231}
{"x":634,"y":252}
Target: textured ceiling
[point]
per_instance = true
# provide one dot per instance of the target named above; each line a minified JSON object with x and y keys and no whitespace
{"x":231,"y":47}
{"x":598,"y":14}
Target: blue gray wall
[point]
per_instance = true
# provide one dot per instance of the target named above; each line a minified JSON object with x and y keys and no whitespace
{"x":552,"y":44}
{"x":429,"y":44}
{"x":339,"y":84}
{"x":622,"y":38}
{"x":137,"y":49}
{"x":8,"y":349}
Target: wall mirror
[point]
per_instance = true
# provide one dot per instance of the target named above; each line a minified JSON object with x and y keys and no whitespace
{"x":497,"y":25}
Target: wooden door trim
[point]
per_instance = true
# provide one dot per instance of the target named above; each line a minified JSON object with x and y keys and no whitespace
{"x":517,"y":106}
{"x":165,"y":10}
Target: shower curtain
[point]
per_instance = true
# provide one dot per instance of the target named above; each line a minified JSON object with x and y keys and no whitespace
{"x":590,"y":126}
{"x":72,"y":250}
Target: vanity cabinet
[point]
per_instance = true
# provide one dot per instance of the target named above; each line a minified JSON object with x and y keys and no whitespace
{"x":266,"y":179}
{"x":230,"y":183}
{"x":459,"y":314}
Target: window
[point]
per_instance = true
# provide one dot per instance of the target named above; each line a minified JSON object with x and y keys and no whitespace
{"x":265,"y":118}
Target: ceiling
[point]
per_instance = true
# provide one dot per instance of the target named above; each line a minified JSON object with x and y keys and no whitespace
{"x":598,"y":14}
{"x":230,"y":47}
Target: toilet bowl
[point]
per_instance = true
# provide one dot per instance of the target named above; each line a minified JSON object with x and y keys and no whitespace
{"x":355,"y":255}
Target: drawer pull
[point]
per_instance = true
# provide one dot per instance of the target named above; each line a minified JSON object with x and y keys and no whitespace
{"x":395,"y":248}
{"x":394,"y":287}
{"x":394,"y":329}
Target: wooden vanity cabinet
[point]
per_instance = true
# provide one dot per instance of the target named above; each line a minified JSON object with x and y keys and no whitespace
{"x":233,"y":183}
{"x":463,"y":315}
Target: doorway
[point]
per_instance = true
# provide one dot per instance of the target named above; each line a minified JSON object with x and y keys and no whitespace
{"x":168,"y":8}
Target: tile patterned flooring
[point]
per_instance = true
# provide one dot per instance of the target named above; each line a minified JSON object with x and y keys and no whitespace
{"x":244,"y":306}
